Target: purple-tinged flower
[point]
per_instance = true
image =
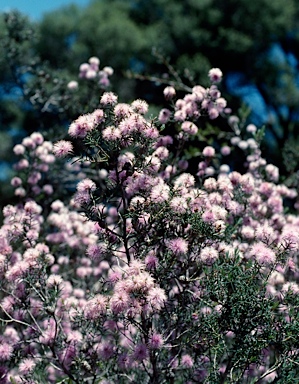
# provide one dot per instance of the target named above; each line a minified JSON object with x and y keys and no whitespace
{"x":27,"y":366}
{"x":62,"y":148}
{"x":208,"y":255}
{"x":262,"y":254}
{"x":169,"y":92}
{"x":108,"y":98}
{"x":215,"y":75}
{"x":178,"y":246}
{"x":6,"y":351}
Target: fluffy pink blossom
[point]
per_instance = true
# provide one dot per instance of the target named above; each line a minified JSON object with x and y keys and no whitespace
{"x":189,"y":127}
{"x":187,"y":361}
{"x":108,"y":98}
{"x":178,"y":246}
{"x":6,"y":351}
{"x":26,"y":366}
{"x":82,"y":126}
{"x":156,"y":298}
{"x":155,"y":341}
{"x":262,"y":254}
{"x":208,"y":255}
{"x":119,"y":302}
{"x":62,"y":148}
{"x":140,"y":106}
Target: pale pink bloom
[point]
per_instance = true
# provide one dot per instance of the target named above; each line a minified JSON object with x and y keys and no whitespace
{"x":247,"y":232}
{"x":109,"y":70}
{"x":17,"y":271}
{"x":180,"y":115}
{"x":95,"y":251}
{"x":108,"y":98}
{"x":6,"y":351}
{"x":62,"y":148}
{"x":208,"y":255}
{"x":98,"y":115}
{"x":74,"y":337}
{"x":178,"y":246}
{"x":213,"y":113}
{"x":156,"y":298}
{"x":86,"y":185}
{"x":54,"y":280}
{"x":119,"y":302}
{"x":187,"y":361}
{"x":16,"y":181}
{"x":95,"y":307}
{"x":19,"y":149}
{"x":111,"y":133}
{"x":225,"y":150}
{"x":90,"y":74}
{"x":72,"y":85}
{"x":94,"y":61}
{"x":185,"y":180}
{"x":82,"y":126}
{"x":262,"y":254}
{"x":122,"y":111}
{"x":160,"y":193}
{"x":251,"y":128}
{"x":179,"y":204}
{"x":162,"y":153}
{"x":26,"y":366}
{"x":164,"y":116}
{"x":210,"y":184}
{"x":189,"y":128}
{"x":140,"y":106}
{"x":155,"y":341}
{"x":169,"y":92}
{"x":215,"y":75}
{"x":272,"y":172}
{"x":208,"y":151}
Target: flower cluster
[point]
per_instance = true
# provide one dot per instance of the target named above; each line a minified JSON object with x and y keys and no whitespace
{"x":139,"y":268}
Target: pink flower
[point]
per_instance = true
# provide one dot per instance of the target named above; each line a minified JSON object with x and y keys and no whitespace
{"x":208,"y":255}
{"x":62,"y":148}
{"x":95,"y":251}
{"x":208,"y":151}
{"x":140,"y":106}
{"x":156,"y":298}
{"x":119,"y":302}
{"x":215,"y":75}
{"x":6,"y":351}
{"x":178,"y":246}
{"x":140,"y":353}
{"x":86,"y":185}
{"x":108,"y":98}
{"x":82,"y":126}
{"x":262,"y":254}
{"x":111,"y":133}
{"x":26,"y":366}
{"x":164,"y":115}
{"x":95,"y":307}
{"x":189,"y":128}
{"x":155,"y":341}
{"x":169,"y":93}
{"x":187,"y":361}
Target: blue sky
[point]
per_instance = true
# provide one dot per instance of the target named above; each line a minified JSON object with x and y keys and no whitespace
{"x":35,"y":8}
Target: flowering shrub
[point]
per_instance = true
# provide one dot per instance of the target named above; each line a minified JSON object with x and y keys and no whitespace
{"x":120,"y":264}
